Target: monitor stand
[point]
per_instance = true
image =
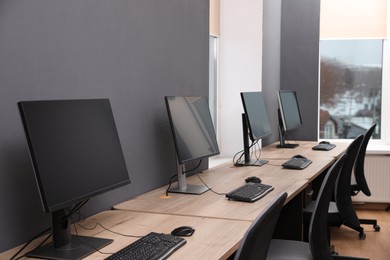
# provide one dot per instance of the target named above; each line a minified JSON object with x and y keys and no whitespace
{"x":80,"y":247}
{"x":282,"y":139}
{"x":248,"y":161}
{"x":291,"y":146}
{"x":65,"y":245}
{"x":251,"y":163}
{"x":183,"y":187}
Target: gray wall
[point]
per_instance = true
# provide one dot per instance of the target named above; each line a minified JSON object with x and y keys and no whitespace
{"x":291,"y":60}
{"x":132,"y":51}
{"x":300,"y":60}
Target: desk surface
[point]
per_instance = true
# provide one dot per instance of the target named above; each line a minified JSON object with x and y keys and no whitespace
{"x":227,"y":177}
{"x":213,"y":238}
{"x":220,"y":224}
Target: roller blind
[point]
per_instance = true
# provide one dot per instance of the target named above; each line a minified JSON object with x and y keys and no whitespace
{"x":353,"y":19}
{"x":214,"y":18}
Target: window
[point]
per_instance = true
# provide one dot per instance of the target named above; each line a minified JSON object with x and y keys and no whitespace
{"x":352,"y":50}
{"x":350,"y":87}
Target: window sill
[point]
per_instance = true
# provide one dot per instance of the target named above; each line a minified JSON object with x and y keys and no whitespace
{"x":378,"y":149}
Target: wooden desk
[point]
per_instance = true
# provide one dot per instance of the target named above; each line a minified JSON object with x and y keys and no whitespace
{"x":279,"y":155}
{"x":220,"y":224}
{"x":213,"y":205}
{"x":213,"y":238}
{"x":227,"y":177}
{"x":305,"y":149}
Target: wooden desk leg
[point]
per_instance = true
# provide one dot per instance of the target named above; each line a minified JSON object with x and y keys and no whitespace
{"x":290,"y":225}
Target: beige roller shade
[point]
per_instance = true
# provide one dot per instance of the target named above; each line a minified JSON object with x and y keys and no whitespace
{"x":353,"y":19}
{"x":214,"y":18}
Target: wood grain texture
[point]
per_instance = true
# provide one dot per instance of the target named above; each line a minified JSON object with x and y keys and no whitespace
{"x":227,"y":177}
{"x":213,"y":238}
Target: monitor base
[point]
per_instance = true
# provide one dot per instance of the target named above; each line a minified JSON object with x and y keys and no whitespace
{"x":79,"y":248}
{"x":252,"y":163}
{"x":190,"y":189}
{"x":287,"y":146}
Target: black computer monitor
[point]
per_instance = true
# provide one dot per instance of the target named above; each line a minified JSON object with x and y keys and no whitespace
{"x":193,"y":134}
{"x":76,"y":154}
{"x":289,"y":116}
{"x":255,"y":125}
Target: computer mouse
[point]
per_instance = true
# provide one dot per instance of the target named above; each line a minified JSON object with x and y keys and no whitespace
{"x":253,"y":179}
{"x":324,"y":142}
{"x":183,"y":231}
{"x":299,"y":156}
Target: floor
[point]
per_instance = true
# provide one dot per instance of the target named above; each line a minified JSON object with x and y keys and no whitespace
{"x":376,"y":246}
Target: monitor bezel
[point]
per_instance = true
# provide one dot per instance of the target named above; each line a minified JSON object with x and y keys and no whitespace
{"x":50,"y":207}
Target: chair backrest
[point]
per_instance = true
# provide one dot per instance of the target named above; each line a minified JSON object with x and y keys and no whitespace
{"x":361,"y":183}
{"x":318,"y":229}
{"x":257,"y":238}
{"x":343,"y":185}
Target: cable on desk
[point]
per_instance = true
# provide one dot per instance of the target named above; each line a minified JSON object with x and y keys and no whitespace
{"x":89,"y":244}
{"x":253,"y":152}
{"x":29,"y":242}
{"x":271,"y":164}
{"x":210,"y":189}
{"x":107,"y":229}
{"x":194,"y":168}
{"x":170,"y":183}
{"x":70,"y":213}
{"x":76,"y":208}
{"x":241,"y":153}
{"x":182,"y":172}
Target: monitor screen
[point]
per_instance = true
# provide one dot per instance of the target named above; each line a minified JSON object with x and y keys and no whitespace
{"x":255,"y":123}
{"x":76,"y":154}
{"x":192,"y":128}
{"x":75,"y":149}
{"x":289,"y":109}
{"x":193,"y":135}
{"x":256,"y":115}
{"x":289,"y":116}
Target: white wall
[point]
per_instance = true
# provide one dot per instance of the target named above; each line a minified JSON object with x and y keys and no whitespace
{"x":240,"y":67}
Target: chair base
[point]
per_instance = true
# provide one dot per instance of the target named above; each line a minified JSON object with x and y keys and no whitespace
{"x":360,"y":229}
{"x":372,"y":222}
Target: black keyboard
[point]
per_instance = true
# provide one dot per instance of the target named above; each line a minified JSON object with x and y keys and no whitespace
{"x":324,"y":147}
{"x":249,"y":192}
{"x":153,"y":246}
{"x":297,"y":163}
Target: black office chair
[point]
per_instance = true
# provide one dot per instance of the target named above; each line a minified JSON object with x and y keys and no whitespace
{"x":317,"y":247}
{"x":254,"y":245}
{"x":341,"y":211}
{"x":359,"y":183}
